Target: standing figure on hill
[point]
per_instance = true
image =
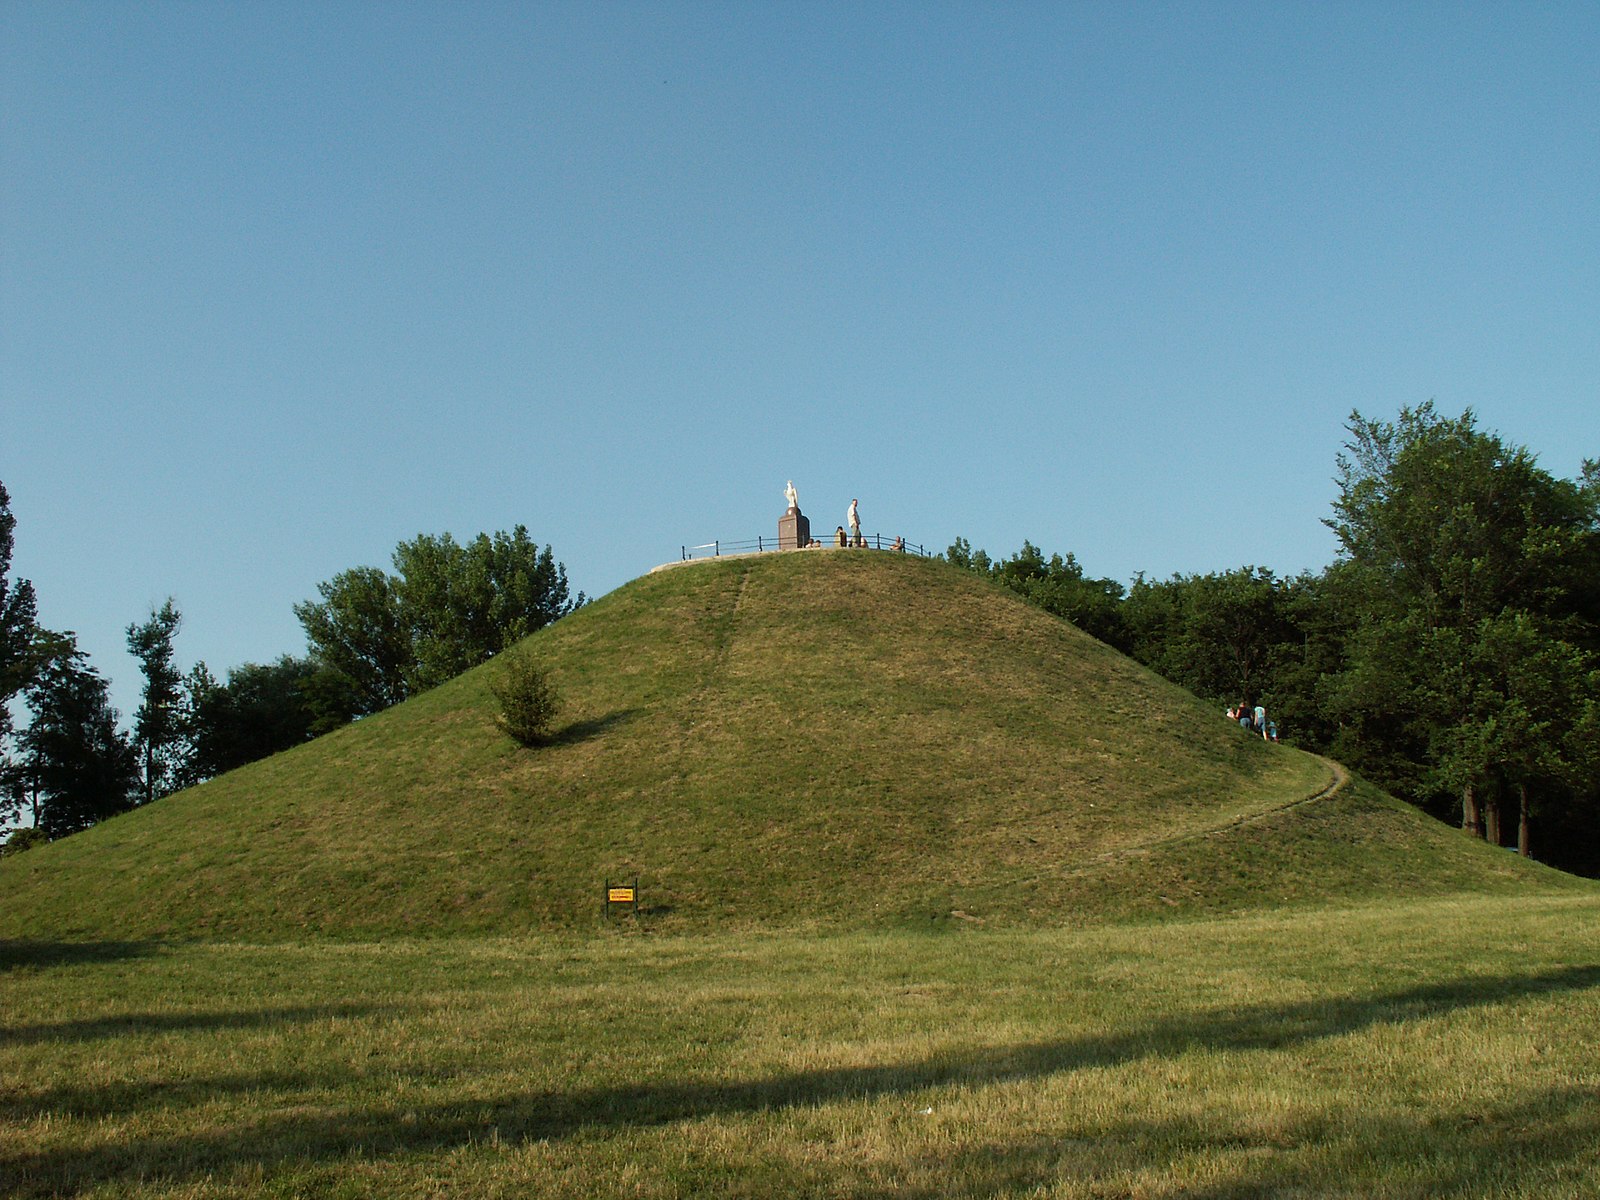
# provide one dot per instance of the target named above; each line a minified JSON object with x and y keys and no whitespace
{"x":792,"y":496}
{"x":1261,"y":721}
{"x":854,"y":521}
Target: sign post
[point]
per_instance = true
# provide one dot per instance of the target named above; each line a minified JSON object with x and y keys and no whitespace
{"x":622,"y":895}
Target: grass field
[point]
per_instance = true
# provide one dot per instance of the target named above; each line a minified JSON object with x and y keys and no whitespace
{"x":1431,"y":1048}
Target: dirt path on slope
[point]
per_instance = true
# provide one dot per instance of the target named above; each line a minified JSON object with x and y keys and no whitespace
{"x":1338,"y":779}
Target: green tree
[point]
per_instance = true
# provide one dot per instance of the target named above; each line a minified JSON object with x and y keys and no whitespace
{"x":450,"y":607}
{"x":81,"y":766}
{"x":18,"y":664}
{"x":158,"y":724}
{"x":1455,"y":524}
{"x":961,"y":554}
{"x":20,"y":841}
{"x":331,"y":698}
{"x":18,"y":624}
{"x":1058,"y":585}
{"x":1299,"y":691}
{"x":26,"y":650}
{"x":1220,"y":635}
{"x":1473,"y":573}
{"x":1529,"y":696}
{"x":462,"y":605}
{"x":358,"y":634}
{"x":259,"y":711}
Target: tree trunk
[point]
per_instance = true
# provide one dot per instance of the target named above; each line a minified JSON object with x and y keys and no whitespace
{"x":1524,"y":832}
{"x":1471,"y":820}
{"x":1491,"y":820}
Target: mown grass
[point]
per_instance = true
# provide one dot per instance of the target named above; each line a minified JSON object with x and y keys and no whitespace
{"x":1404,"y":1049}
{"x":834,"y":740}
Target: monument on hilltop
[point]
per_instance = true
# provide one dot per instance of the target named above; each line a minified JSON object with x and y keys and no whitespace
{"x":794,"y":530}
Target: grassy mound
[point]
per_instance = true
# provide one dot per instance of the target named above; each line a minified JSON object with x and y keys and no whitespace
{"x":831,"y":739}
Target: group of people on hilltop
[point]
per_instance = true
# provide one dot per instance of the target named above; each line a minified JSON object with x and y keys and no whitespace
{"x":841,"y":537}
{"x":1254,"y":720}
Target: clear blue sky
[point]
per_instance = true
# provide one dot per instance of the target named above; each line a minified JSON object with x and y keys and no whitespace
{"x":283,"y":284}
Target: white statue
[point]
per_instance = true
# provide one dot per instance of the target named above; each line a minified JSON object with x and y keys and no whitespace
{"x":792,"y":496}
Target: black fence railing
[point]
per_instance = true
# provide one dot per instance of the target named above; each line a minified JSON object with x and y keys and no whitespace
{"x":761,"y":545}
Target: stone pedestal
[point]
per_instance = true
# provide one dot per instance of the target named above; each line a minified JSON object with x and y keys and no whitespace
{"x":794,"y":530}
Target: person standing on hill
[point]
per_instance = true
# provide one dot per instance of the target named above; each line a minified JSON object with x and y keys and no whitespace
{"x":854,"y":521}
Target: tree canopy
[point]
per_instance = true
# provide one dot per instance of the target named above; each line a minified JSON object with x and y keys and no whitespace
{"x":78,"y":762}
{"x":447,"y":608}
{"x":260,"y":710}
{"x":1474,"y":571}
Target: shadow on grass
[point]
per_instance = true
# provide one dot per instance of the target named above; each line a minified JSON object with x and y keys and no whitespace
{"x":582,"y":731}
{"x":123,"y":1096}
{"x":1534,"y":1145}
{"x":16,"y":954}
{"x":302,"y":1136}
{"x":132,"y":1024}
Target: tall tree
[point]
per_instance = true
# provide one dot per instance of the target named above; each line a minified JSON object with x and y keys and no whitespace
{"x":1456,"y":546}
{"x":1299,"y":688}
{"x":357,"y":632}
{"x":18,"y":626}
{"x":464,"y":604}
{"x":382,"y":637}
{"x":79,"y":764}
{"x":159,"y":721}
{"x":17,"y":666}
{"x":26,"y":650}
{"x":1530,"y":693}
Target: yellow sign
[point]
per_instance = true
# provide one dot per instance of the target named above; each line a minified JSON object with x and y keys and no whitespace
{"x":620,"y":895}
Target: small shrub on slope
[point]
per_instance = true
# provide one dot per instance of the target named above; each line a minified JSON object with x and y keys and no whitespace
{"x":528,"y":700}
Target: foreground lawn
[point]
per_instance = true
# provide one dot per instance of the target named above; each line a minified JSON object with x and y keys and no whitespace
{"x":1442,"y":1048}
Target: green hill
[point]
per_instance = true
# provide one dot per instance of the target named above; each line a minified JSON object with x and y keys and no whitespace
{"x":828,"y":739}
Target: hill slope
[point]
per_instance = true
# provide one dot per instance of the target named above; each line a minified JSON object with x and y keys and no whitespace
{"x":831,"y":738}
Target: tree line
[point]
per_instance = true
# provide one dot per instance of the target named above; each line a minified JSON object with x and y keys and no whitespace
{"x":373,"y":638}
{"x":1450,"y":653}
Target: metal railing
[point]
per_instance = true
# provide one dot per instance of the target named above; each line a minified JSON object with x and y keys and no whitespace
{"x":763,"y":545}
